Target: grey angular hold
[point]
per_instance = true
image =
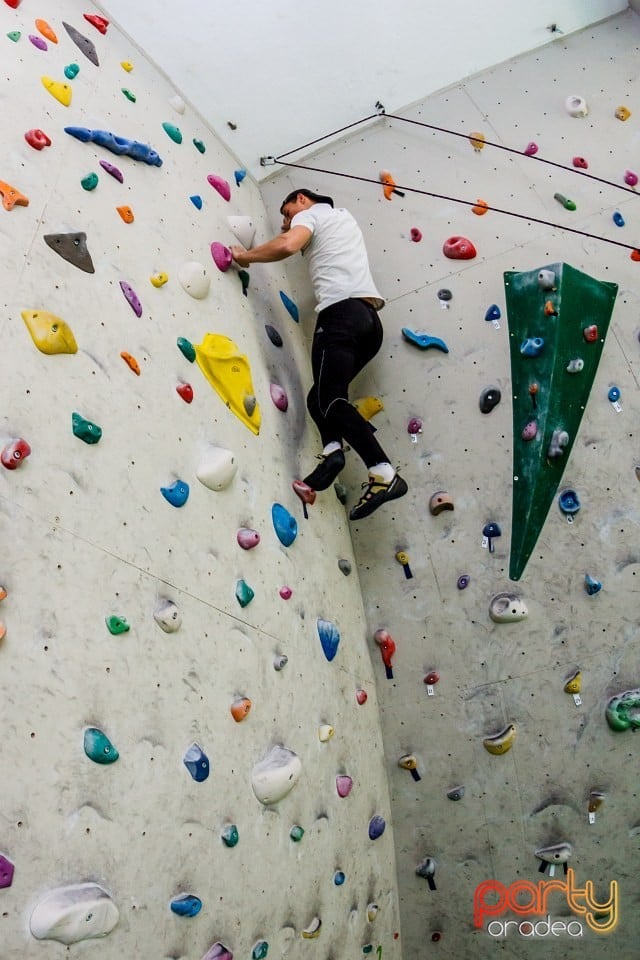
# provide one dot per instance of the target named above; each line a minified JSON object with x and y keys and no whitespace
{"x":83,"y":43}
{"x":72,"y":247}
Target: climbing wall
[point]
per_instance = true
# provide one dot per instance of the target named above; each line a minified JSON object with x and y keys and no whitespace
{"x":191,"y":753}
{"x":501,"y":763}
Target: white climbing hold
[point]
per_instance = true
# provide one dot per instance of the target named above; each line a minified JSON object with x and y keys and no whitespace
{"x":217,"y":468}
{"x":507,"y":608}
{"x":177,"y":103}
{"x":243,"y":229}
{"x":194,"y":279}
{"x":273,"y":777}
{"x":167,"y":616}
{"x":576,"y":106}
{"x":81,"y":911}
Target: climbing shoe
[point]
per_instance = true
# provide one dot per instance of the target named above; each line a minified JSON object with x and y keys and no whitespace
{"x":327,"y":470}
{"x":376,"y":492}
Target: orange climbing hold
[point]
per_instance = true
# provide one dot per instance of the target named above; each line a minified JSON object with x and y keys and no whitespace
{"x":46,"y":30}
{"x":100,"y":23}
{"x":389,"y":185}
{"x":480,"y":208}
{"x":126,"y":213}
{"x":477,"y":141}
{"x":12,"y":197}
{"x":240,"y":709}
{"x":131,"y":362}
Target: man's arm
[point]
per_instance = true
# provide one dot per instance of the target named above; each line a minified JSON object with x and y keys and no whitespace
{"x":281,"y":247}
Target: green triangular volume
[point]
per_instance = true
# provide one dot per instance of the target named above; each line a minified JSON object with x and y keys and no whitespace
{"x":574,"y":302}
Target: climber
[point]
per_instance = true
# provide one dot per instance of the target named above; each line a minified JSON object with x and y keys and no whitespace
{"x":347,"y":336}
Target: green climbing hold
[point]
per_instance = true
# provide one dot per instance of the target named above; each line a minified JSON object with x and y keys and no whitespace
{"x":116,"y":625}
{"x":187,"y":348}
{"x":623,"y":711}
{"x":296,"y":833}
{"x":260,"y":950}
{"x":98,"y":747}
{"x":173,"y":132}
{"x":129,"y":95}
{"x":199,"y":145}
{"x":14,"y":35}
{"x":244,"y":280}
{"x":71,"y":71}
{"x":244,"y":593}
{"x":85,"y":429}
{"x":90,"y":182}
{"x":567,"y":204}
{"x":230,"y":835}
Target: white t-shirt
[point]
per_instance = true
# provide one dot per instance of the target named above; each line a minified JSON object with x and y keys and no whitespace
{"x":336,"y":255}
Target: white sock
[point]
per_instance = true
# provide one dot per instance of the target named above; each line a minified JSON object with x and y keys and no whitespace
{"x":383,"y":470}
{"x":331,"y":448}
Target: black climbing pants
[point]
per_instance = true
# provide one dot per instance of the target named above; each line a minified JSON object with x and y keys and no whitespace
{"x":348,"y":334}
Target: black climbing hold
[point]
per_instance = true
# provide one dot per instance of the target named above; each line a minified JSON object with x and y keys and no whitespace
{"x":444,"y":294}
{"x":72,"y":247}
{"x":273,"y":335}
{"x":489,"y":398}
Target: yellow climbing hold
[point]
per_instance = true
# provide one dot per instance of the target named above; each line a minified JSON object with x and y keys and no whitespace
{"x":228,"y":372}
{"x":49,"y":333}
{"x":126,"y":65}
{"x":367,"y":407}
{"x":501,"y":742}
{"x":61,"y":91}
{"x":574,"y":683}
{"x":159,"y":279}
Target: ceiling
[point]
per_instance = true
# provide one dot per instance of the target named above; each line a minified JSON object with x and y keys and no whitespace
{"x":270,"y":76}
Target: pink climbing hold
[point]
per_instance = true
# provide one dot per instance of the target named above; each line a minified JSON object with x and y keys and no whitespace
{"x":580,"y":163}
{"x":343,"y":785}
{"x":185,"y":390}
{"x":306,"y":493}
{"x":630,"y":178}
{"x":279,"y":396}
{"x":531,"y":149}
{"x":459,"y":248}
{"x":247,"y":538}
{"x":221,"y":185}
{"x":14,"y":454}
{"x":285,"y":592}
{"x":416,"y":235}
{"x":221,"y":256}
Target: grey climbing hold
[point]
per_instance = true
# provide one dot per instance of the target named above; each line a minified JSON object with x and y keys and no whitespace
{"x":72,"y":247}
{"x":345,"y":567}
{"x":427,"y":870}
{"x":273,"y":335}
{"x":82,"y":43}
{"x":455,"y":793}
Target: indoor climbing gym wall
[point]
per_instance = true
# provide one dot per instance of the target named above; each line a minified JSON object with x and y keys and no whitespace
{"x":191,"y":758}
{"x":502,"y":220}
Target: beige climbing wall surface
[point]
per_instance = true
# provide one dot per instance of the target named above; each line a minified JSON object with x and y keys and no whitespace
{"x":130,"y":627}
{"x":490,"y":675}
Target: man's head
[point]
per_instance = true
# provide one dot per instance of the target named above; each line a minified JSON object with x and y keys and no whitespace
{"x":299,"y":200}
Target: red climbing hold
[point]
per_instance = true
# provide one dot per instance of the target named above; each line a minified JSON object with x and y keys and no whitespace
{"x":416,"y":235}
{"x":100,"y":23}
{"x":37,"y":139}
{"x":459,"y":248}
{"x":13,"y":3}
{"x":15,"y":453}
{"x":580,"y":163}
{"x":185,"y":390}
{"x":635,"y":255}
{"x":590,"y":333}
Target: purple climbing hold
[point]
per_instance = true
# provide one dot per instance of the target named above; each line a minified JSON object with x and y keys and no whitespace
{"x":218,"y":951}
{"x":111,"y":170}
{"x":38,"y":42}
{"x":131,"y":297}
{"x":247,"y":538}
{"x":221,"y":185}
{"x":6,"y":872}
{"x":377,"y":827}
{"x":279,"y":396}
{"x":343,"y":785}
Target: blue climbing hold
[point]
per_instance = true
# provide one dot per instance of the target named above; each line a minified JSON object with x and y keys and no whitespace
{"x":424,"y":341}
{"x":614,"y":394}
{"x":196,"y":201}
{"x":377,"y":827}
{"x":329,"y":638}
{"x":285,"y":525}
{"x":120,"y":145}
{"x":186,"y":905}
{"x":197,"y":763}
{"x":291,"y":306}
{"x":591,"y":585}
{"x":532,"y":347}
{"x":339,"y":878}
{"x":569,"y":502}
{"x":177,"y":494}
{"x":493,"y":313}
{"x":239,"y":176}
{"x":618,"y":219}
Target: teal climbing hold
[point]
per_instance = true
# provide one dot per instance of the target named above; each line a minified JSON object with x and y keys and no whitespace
{"x":244,"y":593}
{"x":199,"y":145}
{"x":285,"y":525}
{"x":85,"y":429}
{"x":186,"y":348}
{"x":230,"y":835}
{"x":173,"y":132}
{"x":14,"y":35}
{"x":329,"y":638}
{"x":260,"y":950}
{"x":90,"y":182}
{"x":186,"y":905}
{"x":424,"y":341}
{"x":117,"y":625}
{"x":71,"y":71}
{"x":296,"y":833}
{"x":98,"y":747}
{"x":196,"y":200}
{"x":290,"y":306}
{"x":131,"y":97}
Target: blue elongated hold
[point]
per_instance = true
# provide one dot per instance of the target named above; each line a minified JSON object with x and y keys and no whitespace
{"x":329,"y":638}
{"x":197,"y":763}
{"x":285,"y":525}
{"x":177,"y":494}
{"x":290,"y":306}
{"x":618,"y":219}
{"x":377,"y":827}
{"x":591,"y":585}
{"x":424,"y":341}
{"x":493,"y":313}
{"x":532,"y":346}
{"x":569,"y":502}
{"x":120,"y":145}
{"x":186,"y":905}
{"x":98,"y":747}
{"x":196,"y":200}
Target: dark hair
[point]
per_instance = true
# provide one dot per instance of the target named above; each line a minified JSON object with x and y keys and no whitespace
{"x":315,"y":197}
